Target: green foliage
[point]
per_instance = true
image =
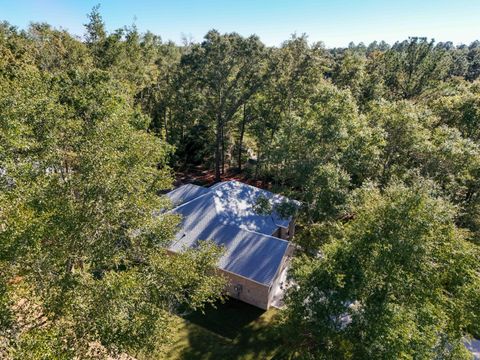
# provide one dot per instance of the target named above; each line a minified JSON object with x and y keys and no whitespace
{"x":89,"y":130}
{"x":414,"y":66}
{"x":228,"y":70}
{"x":263,"y":206}
{"x":96,"y":27}
{"x":405,"y":132}
{"x":350,"y":72}
{"x":321,"y":134}
{"x":473,"y":58}
{"x":79,"y":188}
{"x":400,"y":281}
{"x":286,"y":209}
{"x":326,"y":193}
{"x":460,"y":109}
{"x":57,"y":51}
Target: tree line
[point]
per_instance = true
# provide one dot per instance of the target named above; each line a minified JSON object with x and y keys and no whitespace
{"x":380,"y":143}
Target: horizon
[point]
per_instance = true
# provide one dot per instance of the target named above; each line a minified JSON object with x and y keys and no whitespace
{"x":336,"y":24}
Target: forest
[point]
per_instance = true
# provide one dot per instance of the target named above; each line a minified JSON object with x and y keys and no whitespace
{"x":380,"y":143}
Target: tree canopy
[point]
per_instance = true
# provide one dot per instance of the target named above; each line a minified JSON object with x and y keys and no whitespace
{"x":397,"y":281}
{"x":379,"y":142}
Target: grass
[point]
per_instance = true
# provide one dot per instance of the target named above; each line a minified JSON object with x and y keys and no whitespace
{"x":234,"y":330}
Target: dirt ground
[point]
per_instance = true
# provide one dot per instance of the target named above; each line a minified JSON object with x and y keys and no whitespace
{"x":206,"y":177}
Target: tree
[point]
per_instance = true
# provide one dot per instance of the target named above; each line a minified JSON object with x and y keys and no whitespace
{"x":229,"y":69}
{"x":459,"y":62}
{"x":327,"y":130}
{"x":414,"y":66}
{"x":406,"y":137}
{"x":351,"y":72}
{"x":460,"y":108}
{"x":454,"y":163}
{"x":56,"y":50}
{"x":95,"y":27}
{"x":296,"y":70}
{"x":399,"y":281}
{"x":246,"y":119}
{"x":81,"y":249}
{"x":473,"y":57}
{"x":326,"y":193}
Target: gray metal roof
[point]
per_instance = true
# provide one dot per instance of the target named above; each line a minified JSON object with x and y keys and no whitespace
{"x":186,"y":193}
{"x":237,"y":200}
{"x":225,"y":215}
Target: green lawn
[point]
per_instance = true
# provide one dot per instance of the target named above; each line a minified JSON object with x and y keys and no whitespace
{"x":233,"y":330}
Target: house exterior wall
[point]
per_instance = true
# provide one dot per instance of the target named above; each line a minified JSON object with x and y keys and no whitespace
{"x":286,"y":259}
{"x":276,"y":233}
{"x":252,"y":292}
{"x":285,"y":233}
{"x":246,"y":290}
{"x":291,"y":229}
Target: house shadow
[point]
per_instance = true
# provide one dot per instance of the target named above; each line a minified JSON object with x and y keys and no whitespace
{"x":233,"y":330}
{"x":226,"y":319}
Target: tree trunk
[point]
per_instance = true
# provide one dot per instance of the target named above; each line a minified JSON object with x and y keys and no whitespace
{"x":257,"y":167}
{"x":223,"y":150}
{"x":218,"y":140}
{"x":240,"y":141}
{"x":166,"y":123}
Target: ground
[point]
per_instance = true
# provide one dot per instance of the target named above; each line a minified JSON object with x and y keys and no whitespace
{"x":234,"y":330}
{"x":206,"y":177}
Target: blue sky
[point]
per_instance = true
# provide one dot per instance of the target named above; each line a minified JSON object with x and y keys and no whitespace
{"x":336,"y":23}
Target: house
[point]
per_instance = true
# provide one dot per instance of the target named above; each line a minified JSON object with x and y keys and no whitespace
{"x":256,"y":246}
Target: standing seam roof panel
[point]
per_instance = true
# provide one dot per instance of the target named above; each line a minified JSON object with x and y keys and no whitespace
{"x":226,"y":218}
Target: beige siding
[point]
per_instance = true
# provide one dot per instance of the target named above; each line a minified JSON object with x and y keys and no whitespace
{"x":286,"y":258}
{"x":247,"y":290}
{"x":285,"y":233}
{"x":291,"y":229}
{"x":276,"y":233}
{"x":250,"y":291}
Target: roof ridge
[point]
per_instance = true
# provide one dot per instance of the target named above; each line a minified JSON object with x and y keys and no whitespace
{"x":266,"y":235}
{"x":263,"y":238}
{"x":252,"y":250}
{"x":189,"y":201}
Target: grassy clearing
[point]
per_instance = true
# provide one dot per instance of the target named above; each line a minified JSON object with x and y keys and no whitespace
{"x":233,"y":330}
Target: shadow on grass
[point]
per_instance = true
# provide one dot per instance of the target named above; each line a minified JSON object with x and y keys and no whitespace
{"x":205,"y":345}
{"x":227,"y":319}
{"x":233,"y":330}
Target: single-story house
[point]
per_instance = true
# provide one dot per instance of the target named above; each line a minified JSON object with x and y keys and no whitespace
{"x":256,"y":246}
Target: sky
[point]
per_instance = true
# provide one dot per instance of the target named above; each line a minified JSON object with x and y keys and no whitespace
{"x":335,"y":22}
